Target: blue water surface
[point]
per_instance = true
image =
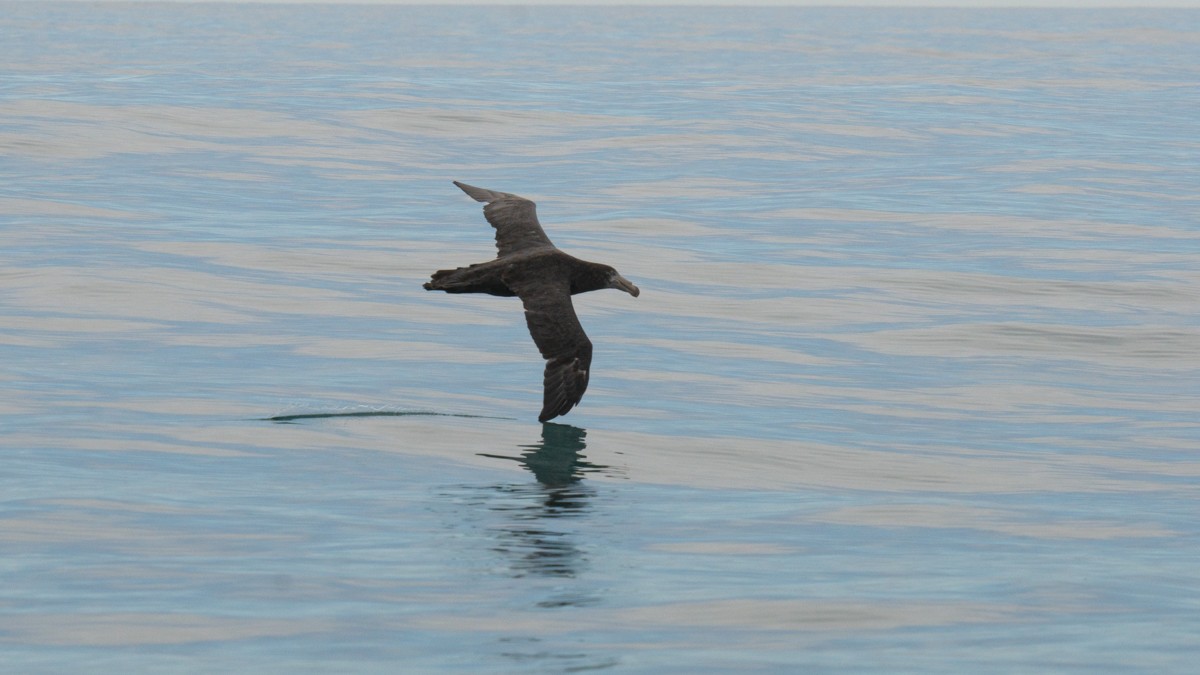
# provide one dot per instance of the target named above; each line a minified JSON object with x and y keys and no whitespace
{"x":910,"y":386}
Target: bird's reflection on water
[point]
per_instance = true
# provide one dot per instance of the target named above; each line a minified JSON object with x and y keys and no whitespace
{"x":557,"y":461}
{"x":543,"y":538}
{"x":535,"y":544}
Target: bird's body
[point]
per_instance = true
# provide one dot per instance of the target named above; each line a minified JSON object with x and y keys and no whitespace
{"x":531,"y":267}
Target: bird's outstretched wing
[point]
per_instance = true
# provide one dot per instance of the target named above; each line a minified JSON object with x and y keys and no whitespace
{"x":515,"y":219}
{"x":560,"y":338}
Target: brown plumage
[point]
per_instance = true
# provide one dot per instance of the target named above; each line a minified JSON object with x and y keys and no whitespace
{"x":530,"y":267}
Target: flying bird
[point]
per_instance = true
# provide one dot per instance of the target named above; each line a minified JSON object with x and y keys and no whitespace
{"x":530,"y":267}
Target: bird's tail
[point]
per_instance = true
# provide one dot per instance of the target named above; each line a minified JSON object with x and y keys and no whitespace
{"x":472,"y":279}
{"x":451,"y":281}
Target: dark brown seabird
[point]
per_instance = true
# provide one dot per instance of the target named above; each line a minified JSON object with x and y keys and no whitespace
{"x":545,"y":278}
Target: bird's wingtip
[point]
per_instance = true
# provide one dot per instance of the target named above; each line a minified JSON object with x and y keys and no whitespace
{"x":477,"y":193}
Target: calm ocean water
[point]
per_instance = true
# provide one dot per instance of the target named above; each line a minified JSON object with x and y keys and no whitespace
{"x":911,"y":385}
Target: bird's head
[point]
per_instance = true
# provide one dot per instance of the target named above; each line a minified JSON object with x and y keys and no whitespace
{"x":615,"y":280}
